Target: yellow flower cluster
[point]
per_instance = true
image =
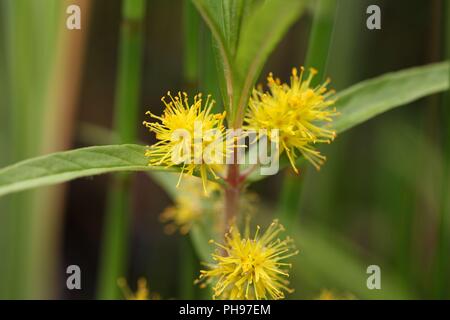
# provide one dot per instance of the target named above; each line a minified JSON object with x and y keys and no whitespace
{"x":187,"y":136}
{"x":142,"y":292}
{"x":250,"y":268}
{"x":298,"y":112}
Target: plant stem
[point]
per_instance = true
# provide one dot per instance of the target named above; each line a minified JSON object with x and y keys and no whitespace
{"x":187,"y":272}
{"x":191,"y":27}
{"x":290,"y":196}
{"x":317,"y":57}
{"x":232,"y":192}
{"x":115,"y":241}
{"x":321,"y":37}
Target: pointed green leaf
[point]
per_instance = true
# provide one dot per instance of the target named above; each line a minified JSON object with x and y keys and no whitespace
{"x":211,"y":12}
{"x":260,"y":33}
{"x":370,"y":98}
{"x":64,"y":166}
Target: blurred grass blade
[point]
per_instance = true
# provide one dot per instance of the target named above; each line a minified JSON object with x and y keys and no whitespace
{"x":233,"y":11}
{"x":28,"y":27}
{"x":208,"y":81}
{"x":212,"y":14}
{"x":321,"y":37}
{"x":370,"y":98}
{"x":200,"y":239}
{"x":65,"y":166}
{"x":114,"y":259}
{"x":316,"y":57}
{"x":129,"y":75}
{"x":191,"y":25}
{"x":114,"y":246}
{"x":5,"y":136}
{"x":260,"y":33}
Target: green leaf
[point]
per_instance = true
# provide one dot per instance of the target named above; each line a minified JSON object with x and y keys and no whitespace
{"x":200,"y":240}
{"x":233,"y":11}
{"x":64,"y":166}
{"x":370,"y":98}
{"x":260,"y":33}
{"x":212,"y":14}
{"x":320,"y":38}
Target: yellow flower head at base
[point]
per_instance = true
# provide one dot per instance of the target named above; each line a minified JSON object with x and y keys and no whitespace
{"x":326,"y":294}
{"x":298,"y":111}
{"x":181,"y":215}
{"x":250,"y":268}
{"x":188,"y":207}
{"x":189,"y":136}
{"x":142,"y":292}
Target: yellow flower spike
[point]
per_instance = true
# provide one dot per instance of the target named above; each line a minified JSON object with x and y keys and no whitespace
{"x":250,"y":267}
{"x":142,"y":292}
{"x":185,"y":132}
{"x":298,"y":111}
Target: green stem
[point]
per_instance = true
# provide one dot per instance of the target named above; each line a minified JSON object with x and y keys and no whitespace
{"x":115,"y":241}
{"x":290,"y":196}
{"x":208,"y":76}
{"x":232,"y":194}
{"x":321,"y":37}
{"x":317,"y":57}
{"x":191,"y":27}
{"x":187,"y":272}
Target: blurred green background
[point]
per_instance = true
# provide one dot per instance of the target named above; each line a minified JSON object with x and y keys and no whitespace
{"x":381,"y":198}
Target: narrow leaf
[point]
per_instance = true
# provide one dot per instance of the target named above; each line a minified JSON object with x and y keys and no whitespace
{"x":211,"y":13}
{"x":64,"y":166}
{"x":260,"y":33}
{"x":370,"y":98}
